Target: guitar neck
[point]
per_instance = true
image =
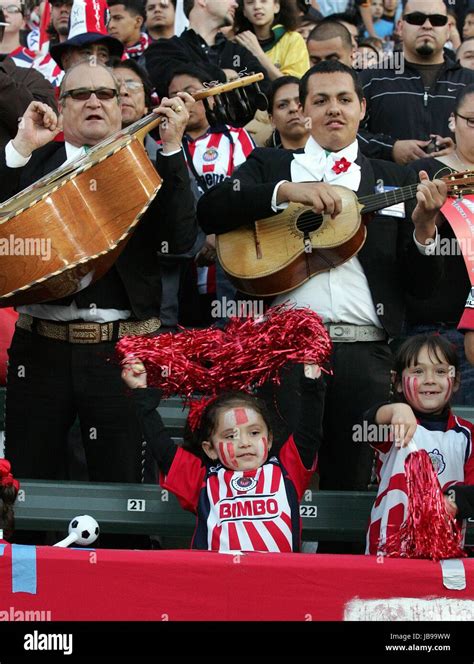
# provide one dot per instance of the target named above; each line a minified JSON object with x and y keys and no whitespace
{"x":387,"y":198}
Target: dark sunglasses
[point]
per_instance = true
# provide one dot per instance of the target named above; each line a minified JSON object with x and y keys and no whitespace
{"x":418,"y":18}
{"x":82,"y":94}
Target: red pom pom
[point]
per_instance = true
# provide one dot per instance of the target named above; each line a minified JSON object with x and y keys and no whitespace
{"x":428,"y":532}
{"x":243,"y":356}
{"x":5,"y":467}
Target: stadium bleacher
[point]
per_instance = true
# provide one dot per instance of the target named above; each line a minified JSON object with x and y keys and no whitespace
{"x":147,"y":509}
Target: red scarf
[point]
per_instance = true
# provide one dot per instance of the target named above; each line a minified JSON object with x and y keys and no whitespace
{"x":139,"y":48}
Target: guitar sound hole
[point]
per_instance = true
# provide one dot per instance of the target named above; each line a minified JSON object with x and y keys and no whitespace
{"x":309,"y":222}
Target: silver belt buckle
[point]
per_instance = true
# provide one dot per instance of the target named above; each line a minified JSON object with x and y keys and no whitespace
{"x":343,"y":332}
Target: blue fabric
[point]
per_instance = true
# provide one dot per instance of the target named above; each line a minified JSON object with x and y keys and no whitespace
{"x":2,"y":548}
{"x":382,"y":28}
{"x":23,"y":569}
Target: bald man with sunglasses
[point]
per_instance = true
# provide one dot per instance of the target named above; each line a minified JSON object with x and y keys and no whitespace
{"x":411,"y":99}
{"x":64,"y":377}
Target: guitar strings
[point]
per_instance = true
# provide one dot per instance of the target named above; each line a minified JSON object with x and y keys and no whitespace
{"x":285,"y":225}
{"x":281,"y":226}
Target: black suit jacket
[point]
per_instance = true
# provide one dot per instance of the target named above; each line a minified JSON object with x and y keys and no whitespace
{"x":390,"y":259}
{"x":134,"y":282}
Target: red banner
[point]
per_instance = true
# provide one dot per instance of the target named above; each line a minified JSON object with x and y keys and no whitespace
{"x":460,"y":214}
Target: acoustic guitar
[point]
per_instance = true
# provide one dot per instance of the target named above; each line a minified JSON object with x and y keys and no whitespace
{"x":66,"y":230}
{"x":279,"y":253}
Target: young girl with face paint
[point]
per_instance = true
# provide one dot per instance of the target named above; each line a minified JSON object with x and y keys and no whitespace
{"x":245,"y":493}
{"x":425,"y":377}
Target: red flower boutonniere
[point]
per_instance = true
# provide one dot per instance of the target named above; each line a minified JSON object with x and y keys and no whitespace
{"x":341,"y":166}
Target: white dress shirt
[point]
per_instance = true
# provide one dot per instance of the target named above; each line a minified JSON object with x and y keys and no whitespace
{"x":341,"y":294}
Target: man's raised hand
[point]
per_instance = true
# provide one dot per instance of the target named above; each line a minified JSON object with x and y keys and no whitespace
{"x":38,"y":126}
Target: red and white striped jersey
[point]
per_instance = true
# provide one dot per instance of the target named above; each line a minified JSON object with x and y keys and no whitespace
{"x":451,"y":453}
{"x":214,"y":156}
{"x":256,"y":510}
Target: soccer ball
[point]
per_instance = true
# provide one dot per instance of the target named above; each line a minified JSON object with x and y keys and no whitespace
{"x":86,"y":528}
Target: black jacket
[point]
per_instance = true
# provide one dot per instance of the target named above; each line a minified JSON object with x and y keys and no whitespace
{"x":390,"y":259}
{"x":165,"y":55}
{"x":446,"y":304}
{"x":134,"y":282}
{"x":399,"y":107}
{"x":19,"y":86}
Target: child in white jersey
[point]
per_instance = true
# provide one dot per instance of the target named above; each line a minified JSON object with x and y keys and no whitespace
{"x":246,"y":498}
{"x":425,"y":377}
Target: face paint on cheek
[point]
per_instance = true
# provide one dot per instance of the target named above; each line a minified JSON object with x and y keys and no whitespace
{"x":263,"y":445}
{"x":410,"y":389}
{"x":449,"y":388}
{"x":227,"y":455}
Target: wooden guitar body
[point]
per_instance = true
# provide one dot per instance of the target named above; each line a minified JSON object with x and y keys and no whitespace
{"x":66,"y":230}
{"x":61,"y":238}
{"x":285,"y":250}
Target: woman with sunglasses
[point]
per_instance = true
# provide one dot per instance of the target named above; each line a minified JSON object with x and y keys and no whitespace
{"x":442,"y":311}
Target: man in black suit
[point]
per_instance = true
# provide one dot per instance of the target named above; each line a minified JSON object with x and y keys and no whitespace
{"x":361,"y":301}
{"x":60,"y":359}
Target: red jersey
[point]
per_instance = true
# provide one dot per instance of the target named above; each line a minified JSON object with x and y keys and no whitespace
{"x":252,"y":510}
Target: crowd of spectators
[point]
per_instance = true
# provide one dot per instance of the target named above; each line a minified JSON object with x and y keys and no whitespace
{"x":411,"y":65}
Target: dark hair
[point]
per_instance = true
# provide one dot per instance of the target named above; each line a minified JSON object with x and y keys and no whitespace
{"x":195,"y":71}
{"x":193,"y":439}
{"x":330,"y":30}
{"x":287,"y":17}
{"x":134,"y":7}
{"x":187,"y":7}
{"x":408,"y":353}
{"x":116,"y":63}
{"x":330,"y":67}
{"x":343,"y":16}
{"x":462,"y":94}
{"x":370,"y":42}
{"x":276,"y":85}
{"x":173,"y":2}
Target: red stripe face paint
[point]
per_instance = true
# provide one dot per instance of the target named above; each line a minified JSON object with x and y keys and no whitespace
{"x":449,"y":388}
{"x":240,"y":415}
{"x":227,"y":455}
{"x":263,"y":448}
{"x":235,"y":417}
{"x":410,"y":389}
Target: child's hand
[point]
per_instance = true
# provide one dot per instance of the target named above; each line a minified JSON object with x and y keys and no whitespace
{"x":451,"y":507}
{"x":312,"y":371}
{"x":134,"y":372}
{"x":403,"y":423}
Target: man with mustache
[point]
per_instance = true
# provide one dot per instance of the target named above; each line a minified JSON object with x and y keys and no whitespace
{"x":414,"y":105}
